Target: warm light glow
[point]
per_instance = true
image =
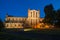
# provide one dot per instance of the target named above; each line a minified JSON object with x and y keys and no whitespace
{"x":41,"y":26}
{"x":38,"y":25}
{"x":47,"y":26}
{"x":28,"y":29}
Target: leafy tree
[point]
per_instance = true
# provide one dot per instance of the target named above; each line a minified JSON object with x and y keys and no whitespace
{"x":57,"y":23}
{"x":49,"y":14}
{"x":1,"y":25}
{"x":52,"y":16}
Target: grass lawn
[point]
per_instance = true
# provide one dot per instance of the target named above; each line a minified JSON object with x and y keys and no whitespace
{"x":36,"y":34}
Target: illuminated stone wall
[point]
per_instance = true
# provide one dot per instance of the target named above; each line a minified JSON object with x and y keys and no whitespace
{"x":14,"y":22}
{"x":13,"y":25}
{"x":33,"y":16}
{"x":17,"y":22}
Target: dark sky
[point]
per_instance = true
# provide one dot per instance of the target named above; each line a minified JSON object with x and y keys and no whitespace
{"x":20,"y":7}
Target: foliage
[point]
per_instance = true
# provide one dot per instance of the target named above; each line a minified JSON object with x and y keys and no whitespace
{"x":52,"y":16}
{"x":1,"y":25}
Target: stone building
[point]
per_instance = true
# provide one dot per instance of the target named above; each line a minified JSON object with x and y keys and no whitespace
{"x":17,"y":22}
{"x":33,"y":16}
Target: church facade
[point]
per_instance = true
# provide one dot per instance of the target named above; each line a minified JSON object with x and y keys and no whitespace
{"x":18,"y":22}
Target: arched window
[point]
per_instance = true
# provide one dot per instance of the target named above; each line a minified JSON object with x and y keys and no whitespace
{"x":36,"y":14}
{"x":15,"y":24}
{"x":18,"y":24}
{"x":31,"y":21}
{"x":8,"y":19}
{"x":7,"y":25}
{"x":31,"y":14}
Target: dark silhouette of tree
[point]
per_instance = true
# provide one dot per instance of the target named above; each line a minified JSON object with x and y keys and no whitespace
{"x":52,"y":16}
{"x":49,"y":14}
{"x":57,"y":24}
{"x":1,"y":25}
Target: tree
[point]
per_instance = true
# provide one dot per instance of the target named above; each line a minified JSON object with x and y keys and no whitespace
{"x":57,"y":23}
{"x":1,"y":25}
{"x":52,"y":16}
{"x":49,"y":14}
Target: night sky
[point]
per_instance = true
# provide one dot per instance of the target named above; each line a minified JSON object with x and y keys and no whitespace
{"x":20,"y":7}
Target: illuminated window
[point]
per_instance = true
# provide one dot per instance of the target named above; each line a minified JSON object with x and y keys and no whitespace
{"x":7,"y":25}
{"x":31,"y":21}
{"x":36,"y":21}
{"x":13,"y":19}
{"x":36,"y":14}
{"x":31,"y":14}
{"x":19,"y":25}
{"x":8,"y":18}
{"x":15,"y":24}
